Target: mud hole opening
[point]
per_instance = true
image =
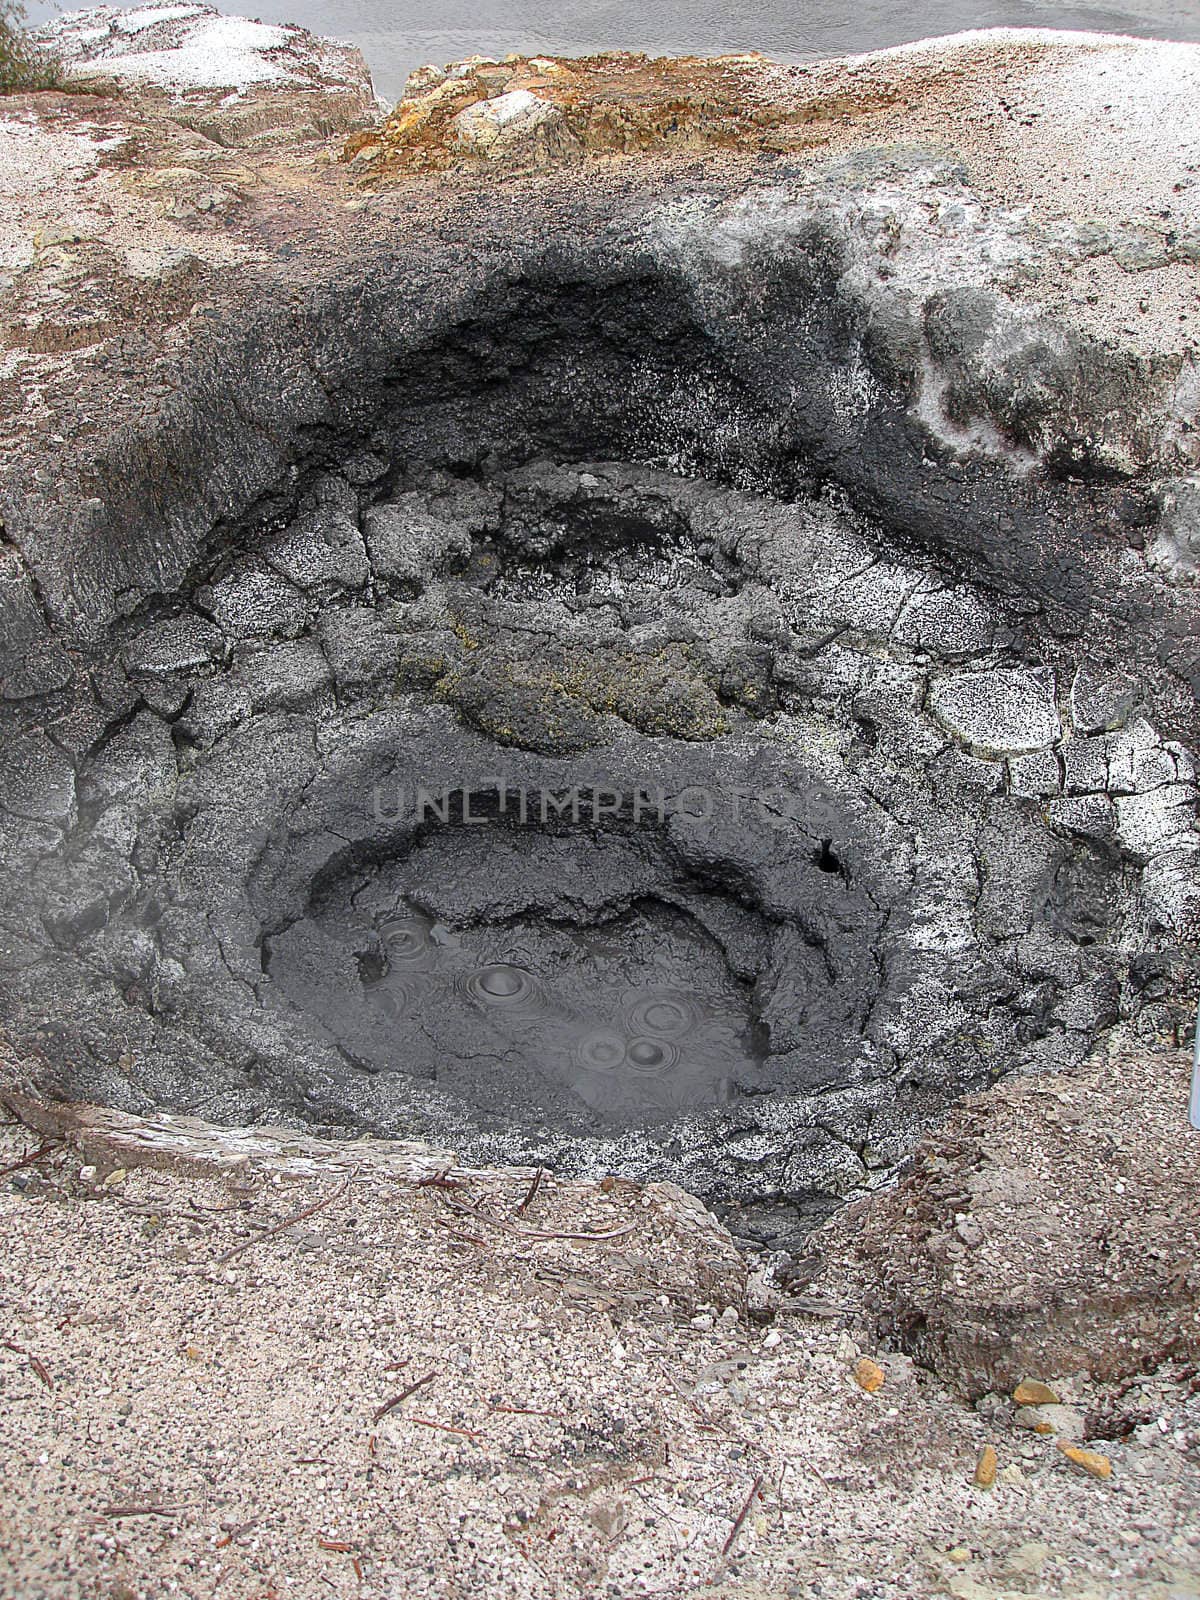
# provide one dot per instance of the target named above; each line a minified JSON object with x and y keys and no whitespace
{"x":572,"y":760}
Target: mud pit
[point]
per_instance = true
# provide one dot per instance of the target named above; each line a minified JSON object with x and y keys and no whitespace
{"x":575,"y":755}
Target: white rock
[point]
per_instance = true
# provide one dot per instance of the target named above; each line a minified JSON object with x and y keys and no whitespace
{"x":1089,"y":815}
{"x":1101,"y":701}
{"x":422,"y":79}
{"x":1003,"y":712}
{"x":1164,"y":817}
{"x":1036,"y":774}
{"x":189,"y":48}
{"x":493,"y":128}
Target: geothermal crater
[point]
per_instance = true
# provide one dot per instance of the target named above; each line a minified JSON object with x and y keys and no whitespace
{"x":619,"y":733}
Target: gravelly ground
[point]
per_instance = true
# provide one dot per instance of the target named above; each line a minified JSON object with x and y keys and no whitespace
{"x":173,"y":1423}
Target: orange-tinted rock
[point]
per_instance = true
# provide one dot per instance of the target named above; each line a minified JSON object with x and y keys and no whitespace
{"x":868,"y":1375}
{"x":1089,"y":1461}
{"x":1029,"y":1392}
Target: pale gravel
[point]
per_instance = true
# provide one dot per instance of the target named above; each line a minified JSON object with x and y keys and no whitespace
{"x":240,"y":1396}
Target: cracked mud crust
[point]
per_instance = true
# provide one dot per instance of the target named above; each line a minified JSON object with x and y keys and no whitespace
{"x":850,"y":478}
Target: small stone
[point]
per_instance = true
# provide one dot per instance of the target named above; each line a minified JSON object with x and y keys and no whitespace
{"x":773,"y":1339}
{"x":87,"y":1174}
{"x":702,"y":1324}
{"x":960,"y":1555}
{"x":496,"y":127}
{"x":1029,"y":1392}
{"x":1089,"y":1461}
{"x":985,"y":1467}
{"x":1030,"y":1417}
{"x":868,"y":1375}
{"x":1101,"y":701}
{"x":1012,"y":1475}
{"x":114,"y":1178}
{"x":729,"y":1315}
{"x":1066,"y":1421}
{"x":969,"y":1231}
{"x":1005,"y":712}
{"x":610,"y":1519}
{"x":1028,"y":1560}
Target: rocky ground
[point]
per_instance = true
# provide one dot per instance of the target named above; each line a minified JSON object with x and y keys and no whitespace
{"x":271,"y":1368}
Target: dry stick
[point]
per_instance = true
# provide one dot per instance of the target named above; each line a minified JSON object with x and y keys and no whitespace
{"x":38,"y":1365}
{"x":28,"y":1161}
{"x":391,"y":1404}
{"x":138,"y":1511}
{"x":533,"y":1189}
{"x":706,"y":1418}
{"x":444,"y":1427}
{"x":457,"y":1233}
{"x":288,"y":1222}
{"x":742,"y":1515}
{"x":536,"y":1233}
{"x":236,"y":1533}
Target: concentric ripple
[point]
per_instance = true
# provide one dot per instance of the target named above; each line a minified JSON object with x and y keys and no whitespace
{"x":652,"y":1057}
{"x":602,"y":1050}
{"x":661,"y":1013}
{"x":409,"y":942}
{"x":505,"y":988}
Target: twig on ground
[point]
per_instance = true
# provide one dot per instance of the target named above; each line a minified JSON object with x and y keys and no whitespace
{"x":236,"y":1533}
{"x":43,"y":1150}
{"x":390,"y":1405}
{"x":530,"y":1192}
{"x":538,"y":1233}
{"x":38,"y":1365}
{"x":706,"y":1418}
{"x":138,"y":1511}
{"x":444,"y":1427}
{"x":742,"y":1515}
{"x":288,"y":1222}
{"x":457,"y":1233}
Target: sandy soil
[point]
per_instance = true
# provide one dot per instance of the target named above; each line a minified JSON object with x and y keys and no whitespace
{"x":195,"y":1403}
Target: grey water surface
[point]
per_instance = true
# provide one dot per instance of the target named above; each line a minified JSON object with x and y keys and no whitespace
{"x":395,"y":38}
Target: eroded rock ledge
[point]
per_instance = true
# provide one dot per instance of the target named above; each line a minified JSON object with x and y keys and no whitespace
{"x":1049,"y":1227}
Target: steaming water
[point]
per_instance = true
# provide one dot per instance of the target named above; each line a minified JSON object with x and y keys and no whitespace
{"x":396,"y":38}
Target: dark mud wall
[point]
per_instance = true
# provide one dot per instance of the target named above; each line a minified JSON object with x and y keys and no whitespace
{"x":873,"y":718}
